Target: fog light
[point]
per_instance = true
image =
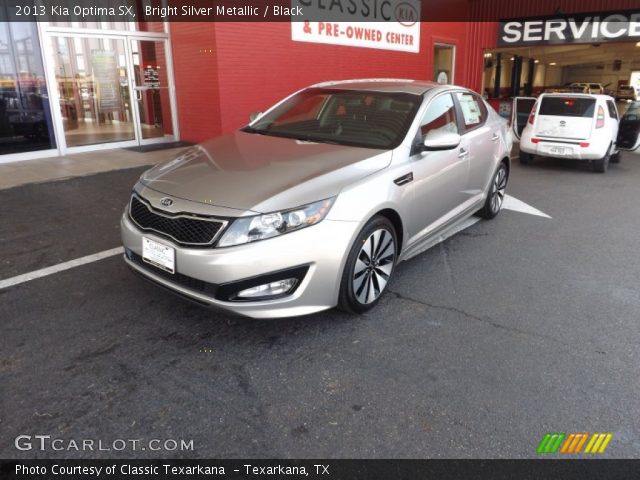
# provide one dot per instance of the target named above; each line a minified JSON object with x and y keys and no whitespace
{"x":268,"y":289}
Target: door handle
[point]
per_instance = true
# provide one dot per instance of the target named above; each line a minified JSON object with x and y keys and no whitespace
{"x":495,"y":137}
{"x":403,"y":180}
{"x":463,"y":153}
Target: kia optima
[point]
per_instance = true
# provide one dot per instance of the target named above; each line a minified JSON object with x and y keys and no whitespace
{"x":314,"y":203}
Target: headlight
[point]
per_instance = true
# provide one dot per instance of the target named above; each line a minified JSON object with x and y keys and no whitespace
{"x":251,"y":229}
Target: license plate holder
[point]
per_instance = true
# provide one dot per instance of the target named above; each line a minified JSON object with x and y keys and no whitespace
{"x":159,"y":255}
{"x":557,"y":150}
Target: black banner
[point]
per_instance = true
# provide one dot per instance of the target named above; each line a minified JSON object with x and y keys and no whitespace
{"x":319,"y":469}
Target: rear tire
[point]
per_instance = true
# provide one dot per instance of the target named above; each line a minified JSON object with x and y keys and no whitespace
{"x":525,"y":158}
{"x":601,"y":166}
{"x":370,"y":265}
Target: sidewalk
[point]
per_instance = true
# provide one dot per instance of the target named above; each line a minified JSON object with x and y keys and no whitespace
{"x":57,"y":168}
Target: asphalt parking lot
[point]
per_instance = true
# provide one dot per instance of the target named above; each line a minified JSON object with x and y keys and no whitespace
{"x":506,"y":331}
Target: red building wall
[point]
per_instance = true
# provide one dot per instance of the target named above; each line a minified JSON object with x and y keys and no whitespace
{"x":253,"y":65}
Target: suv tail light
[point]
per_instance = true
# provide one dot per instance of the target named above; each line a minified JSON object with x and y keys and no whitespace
{"x":532,"y":115}
{"x":600,"y":118}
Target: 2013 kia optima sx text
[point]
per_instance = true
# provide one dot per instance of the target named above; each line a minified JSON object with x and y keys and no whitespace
{"x":315,"y":202}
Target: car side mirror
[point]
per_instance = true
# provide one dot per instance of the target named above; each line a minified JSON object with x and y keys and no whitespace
{"x":254,"y":116}
{"x":434,"y":141}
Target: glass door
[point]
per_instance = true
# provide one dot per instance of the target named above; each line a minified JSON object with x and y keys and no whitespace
{"x":152,"y":90}
{"x":93,"y":90}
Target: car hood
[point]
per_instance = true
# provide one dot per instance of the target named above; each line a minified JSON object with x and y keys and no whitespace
{"x":261,"y":173}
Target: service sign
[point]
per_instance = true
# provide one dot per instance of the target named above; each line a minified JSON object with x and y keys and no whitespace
{"x":580,"y":28}
{"x":381,"y":24}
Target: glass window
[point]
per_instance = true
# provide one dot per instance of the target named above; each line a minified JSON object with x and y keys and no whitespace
{"x":107,"y":22}
{"x":612,"y":109}
{"x":25,"y":116}
{"x":568,"y":106}
{"x":440,"y":116}
{"x":443,"y":57}
{"x":474,"y":112}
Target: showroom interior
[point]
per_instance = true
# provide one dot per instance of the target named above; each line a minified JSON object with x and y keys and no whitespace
{"x":495,"y":337}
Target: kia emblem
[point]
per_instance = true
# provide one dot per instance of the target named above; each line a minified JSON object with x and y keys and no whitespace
{"x":166,"y":202}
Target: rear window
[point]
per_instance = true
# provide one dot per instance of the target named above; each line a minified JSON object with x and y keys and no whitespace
{"x":567,"y":106}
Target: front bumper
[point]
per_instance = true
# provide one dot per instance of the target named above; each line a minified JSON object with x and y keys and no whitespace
{"x":321,"y":250}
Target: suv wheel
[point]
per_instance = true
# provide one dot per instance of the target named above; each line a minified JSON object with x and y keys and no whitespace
{"x":369,"y":266}
{"x":497,"y":190}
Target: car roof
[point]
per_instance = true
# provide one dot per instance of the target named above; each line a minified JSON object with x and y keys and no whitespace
{"x":417,"y":87}
{"x":577,"y":95}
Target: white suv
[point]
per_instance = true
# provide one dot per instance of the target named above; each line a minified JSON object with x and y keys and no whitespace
{"x":575,"y":126}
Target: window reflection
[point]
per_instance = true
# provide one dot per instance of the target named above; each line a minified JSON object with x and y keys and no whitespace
{"x":25,"y":116}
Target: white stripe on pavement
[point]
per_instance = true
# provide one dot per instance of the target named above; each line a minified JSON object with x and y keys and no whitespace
{"x":512,"y":203}
{"x":10,"y":282}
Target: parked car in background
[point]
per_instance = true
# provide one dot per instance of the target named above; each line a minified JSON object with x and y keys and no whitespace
{"x":315,"y":202}
{"x":629,"y":131}
{"x":594,"y":88}
{"x":627,"y":92}
{"x":573,"y":126}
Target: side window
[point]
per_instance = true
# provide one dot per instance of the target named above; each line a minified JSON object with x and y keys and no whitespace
{"x":474,"y":112}
{"x":440,"y":116}
{"x":612,"y":110}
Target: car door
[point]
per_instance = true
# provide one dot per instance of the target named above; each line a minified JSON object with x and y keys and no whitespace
{"x":520,"y":111}
{"x":629,"y":129}
{"x":478,"y":138}
{"x":439,"y":177}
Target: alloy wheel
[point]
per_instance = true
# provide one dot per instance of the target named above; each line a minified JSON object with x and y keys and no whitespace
{"x":498,"y":189}
{"x":374,"y":266}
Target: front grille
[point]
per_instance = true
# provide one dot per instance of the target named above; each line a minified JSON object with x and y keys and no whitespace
{"x":184,"y":229}
{"x":177,"y":278}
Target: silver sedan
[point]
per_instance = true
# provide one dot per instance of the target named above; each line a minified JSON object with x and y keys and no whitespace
{"x":315,"y":202}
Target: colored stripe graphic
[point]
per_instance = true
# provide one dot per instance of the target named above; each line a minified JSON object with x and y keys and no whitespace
{"x":574,"y":442}
{"x":598,"y":443}
{"x":550,"y":443}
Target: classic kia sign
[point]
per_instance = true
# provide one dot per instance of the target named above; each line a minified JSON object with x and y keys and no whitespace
{"x":583,"y":28}
{"x":383,"y":24}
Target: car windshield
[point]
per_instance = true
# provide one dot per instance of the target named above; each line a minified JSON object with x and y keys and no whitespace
{"x":567,"y":106}
{"x":346,"y":117}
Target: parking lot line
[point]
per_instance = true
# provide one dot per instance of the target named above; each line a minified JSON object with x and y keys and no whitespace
{"x":510,"y":203}
{"x":26,"y":277}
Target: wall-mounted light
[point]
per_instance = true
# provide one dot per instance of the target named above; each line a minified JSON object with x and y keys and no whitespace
{"x":552,"y":63}
{"x":536,"y":61}
{"x":512,"y":58}
{"x":488,"y":55}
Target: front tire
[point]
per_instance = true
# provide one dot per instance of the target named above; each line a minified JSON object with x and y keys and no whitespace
{"x":497,"y":191}
{"x":369,"y":266}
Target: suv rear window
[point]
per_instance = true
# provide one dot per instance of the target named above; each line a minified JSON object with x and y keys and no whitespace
{"x":567,"y":106}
